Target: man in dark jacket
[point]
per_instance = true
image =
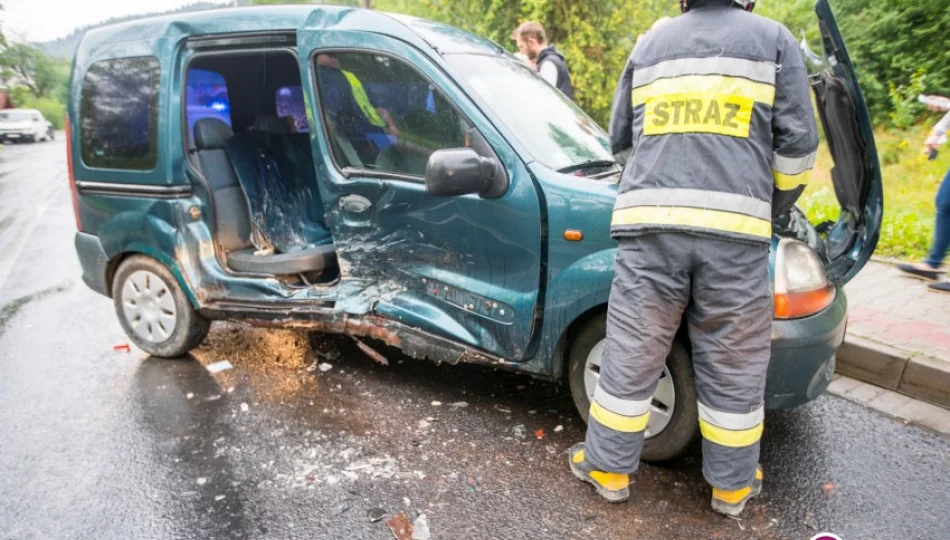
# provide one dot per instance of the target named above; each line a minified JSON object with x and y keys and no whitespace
{"x":546,"y":58}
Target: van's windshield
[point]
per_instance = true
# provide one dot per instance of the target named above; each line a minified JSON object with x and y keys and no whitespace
{"x":556,"y":132}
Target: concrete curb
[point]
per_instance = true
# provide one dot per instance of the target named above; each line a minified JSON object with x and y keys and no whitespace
{"x":912,"y":374}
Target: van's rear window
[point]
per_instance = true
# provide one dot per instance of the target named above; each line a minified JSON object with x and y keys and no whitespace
{"x":119,"y":114}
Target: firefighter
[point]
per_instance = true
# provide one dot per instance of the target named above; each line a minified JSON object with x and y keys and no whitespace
{"x":715,"y":111}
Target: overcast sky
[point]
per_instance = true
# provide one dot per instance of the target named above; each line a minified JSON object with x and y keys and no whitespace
{"x":43,"y":20}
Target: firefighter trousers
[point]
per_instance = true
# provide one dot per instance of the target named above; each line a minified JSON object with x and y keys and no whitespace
{"x":722,"y":288}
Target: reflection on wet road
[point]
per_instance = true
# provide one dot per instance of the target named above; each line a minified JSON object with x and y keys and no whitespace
{"x":305,"y":434}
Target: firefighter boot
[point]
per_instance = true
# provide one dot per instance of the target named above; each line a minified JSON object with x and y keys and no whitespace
{"x":613,"y":487}
{"x":731,"y":503}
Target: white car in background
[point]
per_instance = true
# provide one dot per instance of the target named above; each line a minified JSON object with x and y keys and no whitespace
{"x":24,"y":125}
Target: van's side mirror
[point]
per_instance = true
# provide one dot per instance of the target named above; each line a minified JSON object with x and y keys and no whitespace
{"x":461,"y":171}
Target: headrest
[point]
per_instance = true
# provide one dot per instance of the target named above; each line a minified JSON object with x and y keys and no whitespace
{"x":211,"y":134}
{"x":271,"y":124}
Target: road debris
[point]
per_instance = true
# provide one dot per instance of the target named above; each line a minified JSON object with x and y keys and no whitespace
{"x":505,"y":410}
{"x":329,"y":355}
{"x":424,"y":424}
{"x":400,"y":526}
{"x":436,"y":403}
{"x":218,"y":367}
{"x":376,"y":514}
{"x":829,"y":490}
{"x":325,"y":367}
{"x":202,"y":481}
{"x":312,"y":367}
{"x":459,"y":405}
{"x":810,"y":521}
{"x":539,"y":434}
{"x":123,"y":347}
{"x":371,"y":352}
{"x":219,"y":498}
{"x":519,"y":431}
{"x":189,"y":395}
{"x":420,"y":528}
{"x":245,"y":407}
{"x":558,"y":429}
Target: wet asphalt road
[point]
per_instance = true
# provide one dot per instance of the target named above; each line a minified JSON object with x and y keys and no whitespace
{"x":101,"y":444}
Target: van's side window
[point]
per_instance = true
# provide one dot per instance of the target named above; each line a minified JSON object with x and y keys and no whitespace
{"x":381,"y":114}
{"x":119,"y":114}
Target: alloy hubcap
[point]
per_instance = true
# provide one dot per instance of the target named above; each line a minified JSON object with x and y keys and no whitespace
{"x":149,"y":307}
{"x":662,"y":411}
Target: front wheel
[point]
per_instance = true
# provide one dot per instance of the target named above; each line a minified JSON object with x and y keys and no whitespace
{"x":674,"y":418}
{"x":154,"y":311}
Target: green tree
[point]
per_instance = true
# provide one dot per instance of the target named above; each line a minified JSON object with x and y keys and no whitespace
{"x":891,"y":40}
{"x":26,"y":65}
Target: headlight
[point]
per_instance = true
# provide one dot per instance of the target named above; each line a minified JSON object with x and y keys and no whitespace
{"x":801,"y":284}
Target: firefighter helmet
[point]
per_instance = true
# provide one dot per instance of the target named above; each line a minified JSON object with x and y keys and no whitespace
{"x":747,"y":5}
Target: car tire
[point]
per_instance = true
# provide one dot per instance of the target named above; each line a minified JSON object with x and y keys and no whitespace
{"x":682,"y":430}
{"x":153,"y":309}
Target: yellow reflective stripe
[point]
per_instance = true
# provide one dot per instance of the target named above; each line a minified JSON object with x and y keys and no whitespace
{"x":693,"y":217}
{"x":730,"y":438}
{"x":788,"y":182}
{"x":611,"y":481}
{"x":619,"y":422}
{"x":359,"y":94}
{"x":731,"y":497}
{"x":706,"y":85}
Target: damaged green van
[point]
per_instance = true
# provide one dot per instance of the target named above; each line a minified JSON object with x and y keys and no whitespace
{"x":392,"y":178}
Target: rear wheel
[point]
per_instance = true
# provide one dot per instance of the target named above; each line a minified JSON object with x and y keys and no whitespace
{"x":154,"y":311}
{"x":674,"y":419}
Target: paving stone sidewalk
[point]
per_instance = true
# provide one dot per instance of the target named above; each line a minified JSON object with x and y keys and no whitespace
{"x":887,"y":307}
{"x":898,"y":334}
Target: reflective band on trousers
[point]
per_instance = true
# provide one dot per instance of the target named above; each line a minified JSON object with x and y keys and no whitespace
{"x":734,"y":430}
{"x":763,"y":72}
{"x":709,"y":85}
{"x":626,"y":407}
{"x":789,"y":172}
{"x":366,"y":106}
{"x":696,"y":198}
{"x":619,"y":422}
{"x":694,"y":218}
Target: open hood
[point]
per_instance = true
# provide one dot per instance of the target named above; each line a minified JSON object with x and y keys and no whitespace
{"x":848,"y":244}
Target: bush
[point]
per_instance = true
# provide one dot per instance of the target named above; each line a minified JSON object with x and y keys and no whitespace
{"x":53,"y":109}
{"x":905,"y":109}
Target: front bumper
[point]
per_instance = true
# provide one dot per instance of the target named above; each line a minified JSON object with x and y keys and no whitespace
{"x":803,"y":355}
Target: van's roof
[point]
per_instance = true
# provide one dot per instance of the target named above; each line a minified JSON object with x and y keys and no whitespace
{"x":274,"y":18}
